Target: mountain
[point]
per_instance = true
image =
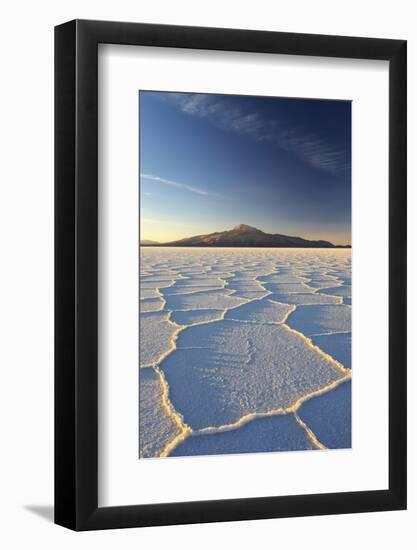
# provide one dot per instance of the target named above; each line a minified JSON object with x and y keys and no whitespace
{"x":148,"y":243}
{"x":246,"y":236}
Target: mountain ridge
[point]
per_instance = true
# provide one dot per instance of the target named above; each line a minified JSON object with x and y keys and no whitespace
{"x":147,"y":242}
{"x":246,"y":236}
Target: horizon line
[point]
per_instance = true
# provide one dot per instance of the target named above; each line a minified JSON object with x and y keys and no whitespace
{"x":194,"y":235}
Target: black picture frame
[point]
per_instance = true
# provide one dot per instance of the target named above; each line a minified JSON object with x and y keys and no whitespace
{"x":76,"y":273}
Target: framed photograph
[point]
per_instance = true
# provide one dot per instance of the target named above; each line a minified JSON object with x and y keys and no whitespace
{"x":230,"y":253}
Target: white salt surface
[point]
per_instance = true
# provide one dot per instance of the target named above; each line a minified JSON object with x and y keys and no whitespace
{"x":305,"y":299}
{"x":342,"y":290}
{"x":192,"y":317}
{"x":271,"y":433}
{"x":321,"y":319}
{"x":332,"y":429}
{"x":288,"y":288}
{"x":156,"y":332}
{"x":322,"y":282}
{"x":236,"y":369}
{"x":260,"y":311}
{"x":203,"y":300}
{"x":157,"y":428}
{"x":243,"y":338}
{"x":151,"y":304}
{"x":148,"y":293}
{"x":191,"y":289}
{"x":337,"y":344}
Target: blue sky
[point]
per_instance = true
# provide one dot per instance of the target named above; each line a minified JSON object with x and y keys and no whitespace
{"x":209,"y":162}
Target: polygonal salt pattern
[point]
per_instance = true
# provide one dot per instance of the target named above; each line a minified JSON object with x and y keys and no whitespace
{"x":225,"y":370}
{"x":268,"y":434}
{"x":217,"y":325}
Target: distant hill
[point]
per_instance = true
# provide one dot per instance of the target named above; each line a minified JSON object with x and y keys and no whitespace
{"x":148,"y":243}
{"x":246,"y":236}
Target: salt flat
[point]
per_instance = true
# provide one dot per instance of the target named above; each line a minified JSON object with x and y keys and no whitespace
{"x":244,"y":350}
{"x":157,"y":426}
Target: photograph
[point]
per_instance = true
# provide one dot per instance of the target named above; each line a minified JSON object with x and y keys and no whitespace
{"x":190,"y":194}
{"x":245,"y":274}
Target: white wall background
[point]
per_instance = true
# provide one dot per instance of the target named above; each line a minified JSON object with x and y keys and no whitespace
{"x":26,"y":299}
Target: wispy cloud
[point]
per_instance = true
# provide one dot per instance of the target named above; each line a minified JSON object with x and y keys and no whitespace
{"x":310,"y":147}
{"x":157,"y":221}
{"x":177,"y":184}
{"x":151,"y":220}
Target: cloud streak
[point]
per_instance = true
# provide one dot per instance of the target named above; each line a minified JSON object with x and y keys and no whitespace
{"x":145,"y":220}
{"x":178,"y":185}
{"x":304,"y":144}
